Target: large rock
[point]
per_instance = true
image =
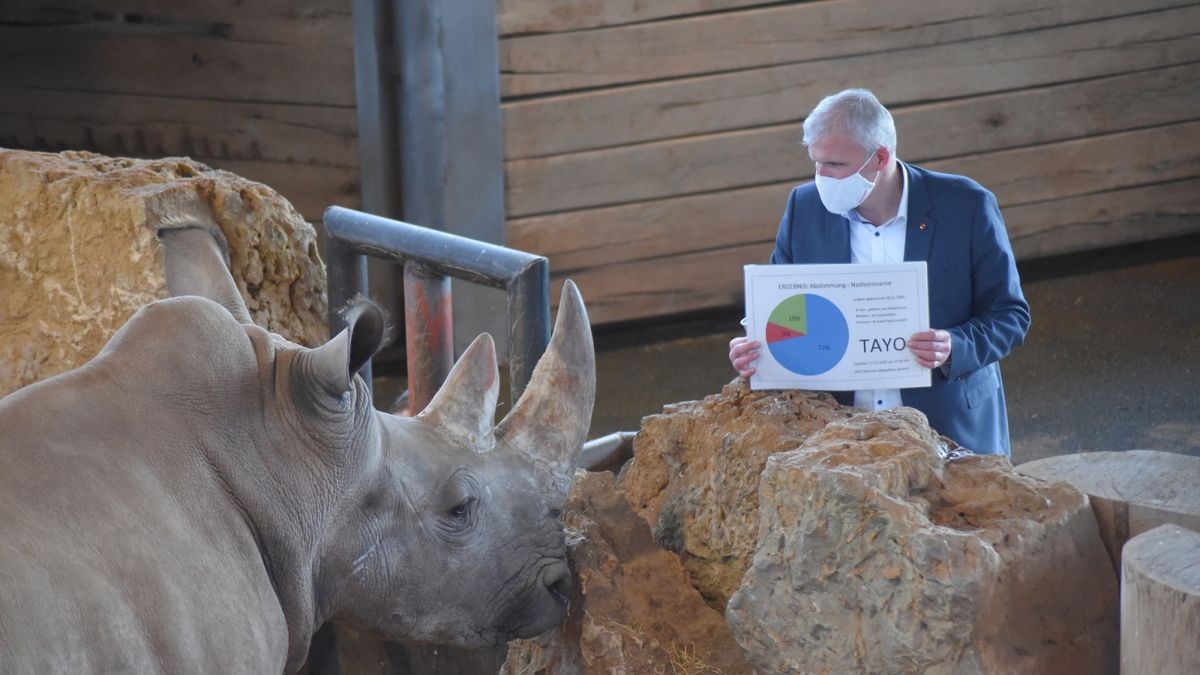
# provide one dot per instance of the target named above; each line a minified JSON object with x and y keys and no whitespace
{"x":876,"y":555}
{"x":695,"y":473}
{"x":633,"y":610}
{"x":77,"y":256}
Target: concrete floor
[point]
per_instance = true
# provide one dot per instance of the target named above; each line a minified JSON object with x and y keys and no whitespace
{"x":1112,"y":361}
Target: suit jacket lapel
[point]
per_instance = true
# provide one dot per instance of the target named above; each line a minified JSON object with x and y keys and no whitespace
{"x":837,"y":238}
{"x":918,"y":234}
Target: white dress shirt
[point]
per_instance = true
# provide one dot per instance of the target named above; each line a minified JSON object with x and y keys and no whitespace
{"x":879,"y":244}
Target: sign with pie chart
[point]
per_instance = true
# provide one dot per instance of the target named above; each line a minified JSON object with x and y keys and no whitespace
{"x":837,"y":327}
{"x":807,"y":334}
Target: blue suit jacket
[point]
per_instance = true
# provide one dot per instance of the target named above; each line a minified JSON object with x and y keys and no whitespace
{"x":954,"y":225}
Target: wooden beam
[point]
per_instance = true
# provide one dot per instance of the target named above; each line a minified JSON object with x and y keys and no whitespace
{"x":926,"y":132}
{"x":1106,"y":219}
{"x":153,"y":126}
{"x":618,"y":116}
{"x":51,"y":11}
{"x":788,"y":33}
{"x":557,"y":16}
{"x":713,"y":278}
{"x":581,"y":239}
{"x":206,"y":67}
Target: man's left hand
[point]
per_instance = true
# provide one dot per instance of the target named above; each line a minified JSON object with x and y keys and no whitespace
{"x":931,"y":347}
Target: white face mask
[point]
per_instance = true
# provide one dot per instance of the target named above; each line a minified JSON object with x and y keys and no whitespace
{"x":841,"y":195}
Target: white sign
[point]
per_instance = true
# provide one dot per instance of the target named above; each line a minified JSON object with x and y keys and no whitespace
{"x":837,"y":327}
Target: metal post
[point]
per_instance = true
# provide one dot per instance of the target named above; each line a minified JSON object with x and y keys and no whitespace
{"x":428,"y":332}
{"x":525,"y":277}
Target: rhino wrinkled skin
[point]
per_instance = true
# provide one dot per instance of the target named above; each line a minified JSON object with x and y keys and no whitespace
{"x":203,"y":495}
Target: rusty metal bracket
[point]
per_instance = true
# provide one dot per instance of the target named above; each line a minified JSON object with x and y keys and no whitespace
{"x":430,"y":258}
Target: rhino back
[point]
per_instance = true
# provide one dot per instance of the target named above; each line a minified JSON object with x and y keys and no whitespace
{"x":122,"y":551}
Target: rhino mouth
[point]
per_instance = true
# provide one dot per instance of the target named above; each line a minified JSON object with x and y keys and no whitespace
{"x":548,"y":606}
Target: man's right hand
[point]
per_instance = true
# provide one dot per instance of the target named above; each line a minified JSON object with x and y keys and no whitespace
{"x":743,"y":352}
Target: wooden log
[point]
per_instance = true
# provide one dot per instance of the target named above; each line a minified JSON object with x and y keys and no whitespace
{"x":1098,"y":164}
{"x":1160,"y":602}
{"x":208,"y":67}
{"x":1131,"y":492}
{"x":786,"y":33}
{"x":155,"y":126}
{"x":556,"y":16}
{"x":707,"y":279}
{"x":927,"y":132}
{"x":619,"y":116}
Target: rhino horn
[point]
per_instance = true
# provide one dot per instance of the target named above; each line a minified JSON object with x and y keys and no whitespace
{"x":465,"y":406}
{"x":194,"y":259}
{"x":550,"y":422}
{"x":332,"y":365}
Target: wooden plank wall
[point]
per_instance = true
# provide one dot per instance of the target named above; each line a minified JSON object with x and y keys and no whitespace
{"x":650,"y":147}
{"x":262,"y":88}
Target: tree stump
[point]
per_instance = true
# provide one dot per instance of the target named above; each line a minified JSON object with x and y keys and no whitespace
{"x":1131,"y":492}
{"x":1160,"y":602}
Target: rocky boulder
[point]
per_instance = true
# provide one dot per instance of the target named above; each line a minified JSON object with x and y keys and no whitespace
{"x":695,"y":473}
{"x":77,"y":256}
{"x":875,"y":554}
{"x":633,"y":609}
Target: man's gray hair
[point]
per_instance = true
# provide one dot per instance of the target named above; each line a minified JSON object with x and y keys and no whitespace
{"x":856,"y":113}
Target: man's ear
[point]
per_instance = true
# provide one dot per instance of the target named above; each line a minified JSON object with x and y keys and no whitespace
{"x":882,"y":157}
{"x":334,"y":364}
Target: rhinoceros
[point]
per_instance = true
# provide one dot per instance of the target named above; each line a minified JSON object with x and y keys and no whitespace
{"x":203,"y":494}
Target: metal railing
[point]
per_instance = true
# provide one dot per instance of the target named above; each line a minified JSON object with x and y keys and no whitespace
{"x":430,"y":258}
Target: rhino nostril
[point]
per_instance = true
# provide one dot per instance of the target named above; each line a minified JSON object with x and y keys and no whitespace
{"x":561,"y":590}
{"x":558,"y":582}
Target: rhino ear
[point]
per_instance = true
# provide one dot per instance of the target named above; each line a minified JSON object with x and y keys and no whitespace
{"x":333,"y":364}
{"x":465,"y":406}
{"x":194,"y":258}
{"x":550,"y":422}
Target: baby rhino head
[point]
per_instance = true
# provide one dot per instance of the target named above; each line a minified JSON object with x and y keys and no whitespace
{"x":455,"y":536}
{"x":440,"y":528}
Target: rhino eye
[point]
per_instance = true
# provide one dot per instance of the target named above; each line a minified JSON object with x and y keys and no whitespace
{"x":460,"y":510}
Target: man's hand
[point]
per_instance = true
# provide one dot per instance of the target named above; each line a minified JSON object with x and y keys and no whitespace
{"x":742,"y":354}
{"x":931,"y":347}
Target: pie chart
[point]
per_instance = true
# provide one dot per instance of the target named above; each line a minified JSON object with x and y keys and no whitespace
{"x":807,"y":334}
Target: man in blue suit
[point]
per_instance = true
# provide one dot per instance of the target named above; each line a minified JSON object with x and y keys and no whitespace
{"x":865,"y":206}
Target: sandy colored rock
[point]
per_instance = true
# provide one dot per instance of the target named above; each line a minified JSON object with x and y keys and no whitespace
{"x":78,"y":255}
{"x":695,"y":473}
{"x":875,"y":555}
{"x":633,"y":610}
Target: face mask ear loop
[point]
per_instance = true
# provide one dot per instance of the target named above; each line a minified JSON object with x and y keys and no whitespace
{"x":867,"y":161}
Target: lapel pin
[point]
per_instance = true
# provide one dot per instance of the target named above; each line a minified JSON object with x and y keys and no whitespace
{"x":922,"y":226}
